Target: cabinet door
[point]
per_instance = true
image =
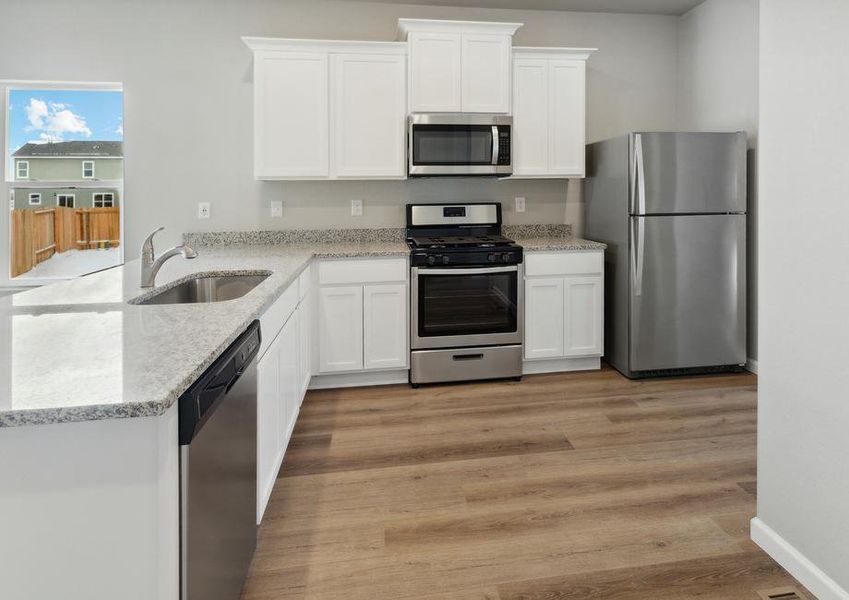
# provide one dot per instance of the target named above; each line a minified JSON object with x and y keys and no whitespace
{"x":369,"y":98}
{"x":486,"y":73}
{"x":340,"y":329}
{"x":435,"y":72}
{"x":291,"y":115}
{"x":305,"y":342}
{"x":289,"y":378}
{"x":583,"y":326}
{"x":566,"y":153}
{"x":385,"y":326}
{"x":544,"y":313}
{"x":530,"y":117}
{"x":269,"y":436}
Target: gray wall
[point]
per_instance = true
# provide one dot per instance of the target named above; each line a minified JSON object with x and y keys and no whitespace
{"x":187,"y":81}
{"x":803,"y":413}
{"x":718,"y":91}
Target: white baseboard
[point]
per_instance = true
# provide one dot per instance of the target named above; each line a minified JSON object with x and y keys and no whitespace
{"x":343,"y":380}
{"x":561,"y":365}
{"x":818,"y":583}
{"x":752,"y":366}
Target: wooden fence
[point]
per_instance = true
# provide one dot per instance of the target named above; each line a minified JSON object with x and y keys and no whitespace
{"x":38,"y":234}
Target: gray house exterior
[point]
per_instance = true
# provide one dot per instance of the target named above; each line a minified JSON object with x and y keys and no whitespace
{"x":77,"y":160}
{"x":72,"y":197}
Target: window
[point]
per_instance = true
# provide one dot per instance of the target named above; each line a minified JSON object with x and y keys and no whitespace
{"x":103,"y":200}
{"x":64,"y":149}
{"x":65,"y":200}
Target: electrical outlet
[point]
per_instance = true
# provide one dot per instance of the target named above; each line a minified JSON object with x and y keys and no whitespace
{"x":276,"y":208}
{"x":203,"y":210}
{"x":356,"y":208}
{"x":520,"y":204}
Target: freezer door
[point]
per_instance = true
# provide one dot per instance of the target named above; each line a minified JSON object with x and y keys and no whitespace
{"x":680,"y":173}
{"x":687,"y":292}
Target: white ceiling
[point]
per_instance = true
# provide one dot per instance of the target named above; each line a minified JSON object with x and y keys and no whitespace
{"x":655,"y":7}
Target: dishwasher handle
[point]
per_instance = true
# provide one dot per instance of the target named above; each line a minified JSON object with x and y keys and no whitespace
{"x":204,"y":396}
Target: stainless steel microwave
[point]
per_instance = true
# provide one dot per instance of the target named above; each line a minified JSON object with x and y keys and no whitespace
{"x":459,"y":144}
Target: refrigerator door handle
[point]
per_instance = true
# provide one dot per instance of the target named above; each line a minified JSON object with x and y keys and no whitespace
{"x":638,"y":238}
{"x":639,"y":175}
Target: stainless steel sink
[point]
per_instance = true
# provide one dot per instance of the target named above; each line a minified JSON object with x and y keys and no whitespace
{"x":206,"y":288}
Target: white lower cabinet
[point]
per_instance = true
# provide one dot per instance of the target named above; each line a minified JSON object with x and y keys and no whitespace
{"x":363,"y":315}
{"x":340,"y":328}
{"x":564,"y":300}
{"x":385,"y":326}
{"x":544,"y":318}
{"x":283,"y":372}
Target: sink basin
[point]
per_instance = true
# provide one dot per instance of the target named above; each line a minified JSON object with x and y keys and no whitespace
{"x":206,"y":288}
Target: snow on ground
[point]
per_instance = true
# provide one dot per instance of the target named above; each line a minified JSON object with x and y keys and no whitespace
{"x":74,"y":263}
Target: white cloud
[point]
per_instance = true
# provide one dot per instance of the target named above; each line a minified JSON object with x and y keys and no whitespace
{"x":54,"y":120}
{"x":120,"y":129}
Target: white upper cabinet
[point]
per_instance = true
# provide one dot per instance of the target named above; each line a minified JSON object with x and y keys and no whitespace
{"x":458,"y":66}
{"x":291,"y":115}
{"x":369,"y":116}
{"x":329,"y":109}
{"x":435,"y":80}
{"x":486,"y":73}
{"x":549,"y":112}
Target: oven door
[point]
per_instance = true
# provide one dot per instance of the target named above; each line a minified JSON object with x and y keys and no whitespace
{"x":458,"y":307}
{"x":459,"y":145}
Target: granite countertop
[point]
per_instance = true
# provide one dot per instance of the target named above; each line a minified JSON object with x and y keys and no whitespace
{"x":77,"y":351}
{"x":554,"y":243}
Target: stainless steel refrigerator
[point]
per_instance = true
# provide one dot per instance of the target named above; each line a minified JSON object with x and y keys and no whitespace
{"x":672,"y":209}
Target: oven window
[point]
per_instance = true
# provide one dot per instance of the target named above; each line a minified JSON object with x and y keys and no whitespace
{"x":467,"y":304}
{"x":452,"y":145}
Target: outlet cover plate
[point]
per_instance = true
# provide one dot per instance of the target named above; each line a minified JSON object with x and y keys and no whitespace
{"x":203,"y":210}
{"x":520,"y":204}
{"x":356,"y":208}
{"x":276,"y":208}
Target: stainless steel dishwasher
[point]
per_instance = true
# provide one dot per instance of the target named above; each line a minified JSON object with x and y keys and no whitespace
{"x":218,"y":474}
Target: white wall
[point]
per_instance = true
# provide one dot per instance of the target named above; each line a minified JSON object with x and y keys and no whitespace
{"x":803,"y":414}
{"x":718,"y":91}
{"x":187,"y":79}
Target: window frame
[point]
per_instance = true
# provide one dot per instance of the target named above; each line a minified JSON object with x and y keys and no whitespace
{"x":18,"y":164}
{"x":73,"y":198}
{"x":30,"y":197}
{"x":9,"y":184}
{"x":90,"y":162}
{"x":103,"y":195}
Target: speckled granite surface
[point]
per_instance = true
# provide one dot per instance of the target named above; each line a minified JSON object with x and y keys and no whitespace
{"x":294,"y":236}
{"x":78,"y":351}
{"x":557,"y":243}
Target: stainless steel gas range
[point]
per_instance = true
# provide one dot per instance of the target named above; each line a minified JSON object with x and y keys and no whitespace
{"x":466,"y":294}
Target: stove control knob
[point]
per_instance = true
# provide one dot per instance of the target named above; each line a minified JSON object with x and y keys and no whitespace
{"x":444,"y":260}
{"x":492,"y":257}
{"x":431,"y":260}
{"x":505,"y":257}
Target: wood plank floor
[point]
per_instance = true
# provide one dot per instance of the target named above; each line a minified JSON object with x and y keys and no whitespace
{"x":567,"y":486}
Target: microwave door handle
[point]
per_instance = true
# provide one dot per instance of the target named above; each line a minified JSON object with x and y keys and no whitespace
{"x":495,"y":144}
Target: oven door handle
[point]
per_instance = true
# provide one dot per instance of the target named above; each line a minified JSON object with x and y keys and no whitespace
{"x":480,"y":271}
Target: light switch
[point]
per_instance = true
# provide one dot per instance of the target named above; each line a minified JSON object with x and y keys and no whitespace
{"x":356,"y":208}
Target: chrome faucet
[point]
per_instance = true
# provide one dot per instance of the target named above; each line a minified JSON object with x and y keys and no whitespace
{"x":150,"y":265}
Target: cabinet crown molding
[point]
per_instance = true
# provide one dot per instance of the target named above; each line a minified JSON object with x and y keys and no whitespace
{"x":407,"y":26}
{"x":552,"y":52}
{"x":258,"y":44}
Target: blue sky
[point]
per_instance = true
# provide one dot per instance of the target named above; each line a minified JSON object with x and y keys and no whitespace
{"x":64,"y":115}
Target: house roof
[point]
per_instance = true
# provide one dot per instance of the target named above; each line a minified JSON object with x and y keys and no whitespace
{"x":74,"y":148}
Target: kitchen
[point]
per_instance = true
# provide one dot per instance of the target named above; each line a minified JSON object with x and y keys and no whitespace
{"x":366,"y":486}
